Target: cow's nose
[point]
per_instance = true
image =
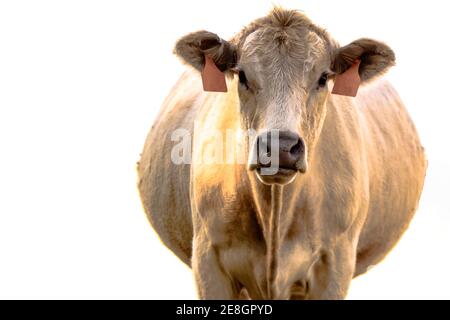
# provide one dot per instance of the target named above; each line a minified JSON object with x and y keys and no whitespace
{"x":291,"y":149}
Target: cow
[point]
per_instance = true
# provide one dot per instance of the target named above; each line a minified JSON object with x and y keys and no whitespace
{"x":349,"y":170}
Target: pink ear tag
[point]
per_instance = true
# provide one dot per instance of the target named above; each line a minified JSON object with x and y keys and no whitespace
{"x":213,"y":79}
{"x":347,"y":83}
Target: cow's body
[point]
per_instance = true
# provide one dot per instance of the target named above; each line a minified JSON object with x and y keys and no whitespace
{"x":364,"y":184}
{"x":344,"y":215}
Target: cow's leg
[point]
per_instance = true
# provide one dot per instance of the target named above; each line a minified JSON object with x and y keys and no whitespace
{"x":333,"y":272}
{"x":211,"y":280}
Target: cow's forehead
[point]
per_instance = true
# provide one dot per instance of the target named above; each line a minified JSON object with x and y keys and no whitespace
{"x":283,"y":52}
{"x":270,"y":38}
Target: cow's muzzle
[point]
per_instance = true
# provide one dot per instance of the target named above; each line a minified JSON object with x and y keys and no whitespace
{"x":280,"y":155}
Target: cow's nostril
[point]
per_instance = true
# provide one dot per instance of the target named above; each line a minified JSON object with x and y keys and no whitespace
{"x":298,"y":149}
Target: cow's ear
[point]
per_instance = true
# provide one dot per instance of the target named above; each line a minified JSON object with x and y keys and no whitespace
{"x":375,"y":58}
{"x":193,"y":47}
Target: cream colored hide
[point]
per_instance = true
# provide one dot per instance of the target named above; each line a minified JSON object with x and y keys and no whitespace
{"x":304,"y":234}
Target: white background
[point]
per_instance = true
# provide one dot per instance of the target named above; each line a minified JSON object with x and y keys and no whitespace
{"x":81,"y":82}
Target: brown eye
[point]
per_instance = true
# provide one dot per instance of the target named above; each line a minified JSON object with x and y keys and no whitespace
{"x":323,"y":80}
{"x":243,"y":79}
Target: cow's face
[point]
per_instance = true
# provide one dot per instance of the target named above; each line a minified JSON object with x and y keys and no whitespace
{"x":285,"y":66}
{"x":283,"y":86}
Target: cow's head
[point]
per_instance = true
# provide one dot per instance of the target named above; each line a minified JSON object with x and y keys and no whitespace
{"x":286,"y":66}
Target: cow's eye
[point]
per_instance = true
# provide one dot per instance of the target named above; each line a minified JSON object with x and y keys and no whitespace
{"x":323,"y":80}
{"x":243,"y":78}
